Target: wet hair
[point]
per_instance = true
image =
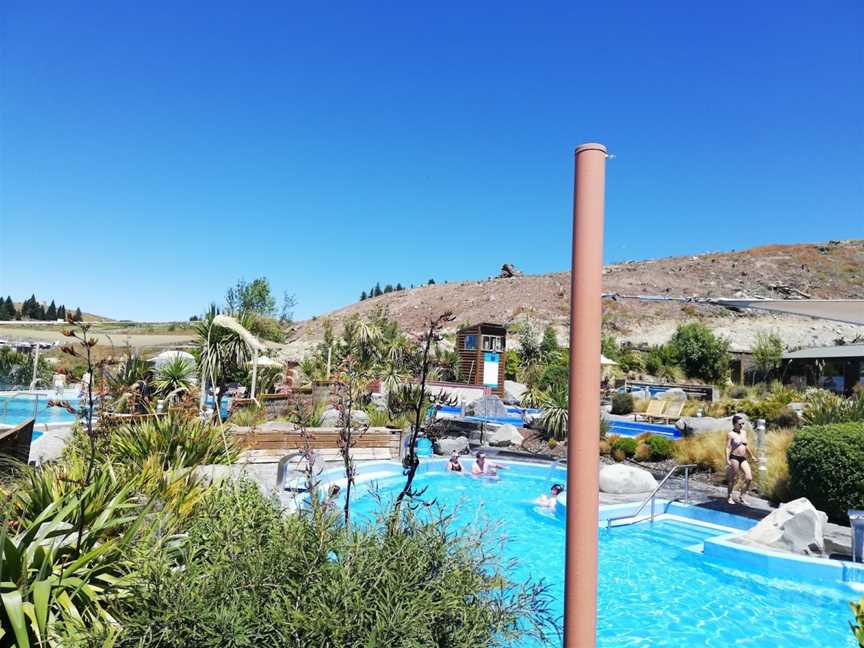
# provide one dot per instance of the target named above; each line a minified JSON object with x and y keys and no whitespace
{"x":737,"y":418}
{"x":481,"y":454}
{"x":557,"y":488}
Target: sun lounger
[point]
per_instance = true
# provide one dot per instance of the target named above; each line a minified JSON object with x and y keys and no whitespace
{"x":673,"y":411}
{"x":654,"y":411}
{"x":15,"y":442}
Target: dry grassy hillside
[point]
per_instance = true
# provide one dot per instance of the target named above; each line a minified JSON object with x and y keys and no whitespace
{"x":829,"y":270}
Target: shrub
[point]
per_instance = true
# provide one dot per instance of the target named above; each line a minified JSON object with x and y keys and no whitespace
{"x":605,"y":449}
{"x":248,"y":416}
{"x":738,"y":392}
{"x":259,"y":579}
{"x":555,"y":416}
{"x":622,"y":403}
{"x":618,"y":454}
{"x":552,"y":443}
{"x":701,"y":353}
{"x":786,"y":418}
{"x":177,"y":441}
{"x":825,"y":408}
{"x":660,"y":448}
{"x":643,"y":452}
{"x":626,"y":445}
{"x":707,"y":450}
{"x":774,"y":482}
{"x":554,"y":377}
{"x":858,"y":626}
{"x":826,"y":465}
{"x":604,"y":427}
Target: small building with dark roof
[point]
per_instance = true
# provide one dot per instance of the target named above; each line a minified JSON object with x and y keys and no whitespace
{"x":838,"y":368}
{"x":481,"y":349}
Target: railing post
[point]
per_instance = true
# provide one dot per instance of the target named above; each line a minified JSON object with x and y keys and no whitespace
{"x":686,"y":484}
{"x":652,"y":508}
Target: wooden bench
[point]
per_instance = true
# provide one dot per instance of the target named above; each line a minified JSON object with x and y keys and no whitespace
{"x":15,"y":442}
{"x":268,"y":444}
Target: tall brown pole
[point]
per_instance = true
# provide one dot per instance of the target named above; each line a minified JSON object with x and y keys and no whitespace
{"x":580,"y":593}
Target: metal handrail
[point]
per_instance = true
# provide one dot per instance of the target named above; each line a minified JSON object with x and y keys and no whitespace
{"x":653,"y":494}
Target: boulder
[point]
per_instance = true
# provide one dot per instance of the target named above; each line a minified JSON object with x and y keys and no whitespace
{"x":699,"y":424}
{"x":446,"y":445}
{"x":513,"y":391}
{"x":676,"y":394}
{"x":332,"y":418}
{"x":486,"y":406}
{"x":379,"y":401}
{"x":621,"y":478}
{"x":506,"y":435}
{"x":641,"y":394}
{"x":796,"y":526}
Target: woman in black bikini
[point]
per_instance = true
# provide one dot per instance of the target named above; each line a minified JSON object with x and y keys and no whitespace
{"x":454,"y":465}
{"x":737,"y":462}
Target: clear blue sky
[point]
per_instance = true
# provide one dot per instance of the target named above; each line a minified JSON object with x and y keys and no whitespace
{"x":152,"y":153}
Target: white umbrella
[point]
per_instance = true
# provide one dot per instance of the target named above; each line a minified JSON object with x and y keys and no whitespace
{"x":168,"y":356}
{"x":606,"y":361}
{"x":266,"y":362}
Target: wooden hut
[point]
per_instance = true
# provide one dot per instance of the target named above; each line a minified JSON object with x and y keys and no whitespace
{"x":481,"y":349}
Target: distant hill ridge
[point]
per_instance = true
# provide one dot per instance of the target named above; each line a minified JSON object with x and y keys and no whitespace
{"x":818,"y":270}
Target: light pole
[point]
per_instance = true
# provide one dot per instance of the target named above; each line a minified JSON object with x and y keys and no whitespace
{"x":583,"y":437}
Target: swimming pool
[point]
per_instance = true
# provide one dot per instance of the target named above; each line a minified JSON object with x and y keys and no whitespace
{"x":656,"y":588}
{"x":20,"y":407}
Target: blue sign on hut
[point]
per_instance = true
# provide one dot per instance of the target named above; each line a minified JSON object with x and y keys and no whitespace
{"x":481,"y":350}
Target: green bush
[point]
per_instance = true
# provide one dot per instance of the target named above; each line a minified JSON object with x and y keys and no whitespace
{"x":255,"y":578}
{"x":554,"y":377}
{"x":701,"y":354}
{"x":627,"y":445}
{"x":661,"y":447}
{"x":826,"y":465}
{"x":622,"y":403}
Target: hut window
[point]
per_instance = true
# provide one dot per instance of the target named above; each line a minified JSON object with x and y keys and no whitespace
{"x":470,"y":342}
{"x":493,"y":343}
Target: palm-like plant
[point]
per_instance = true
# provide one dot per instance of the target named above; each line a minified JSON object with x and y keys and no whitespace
{"x":175,"y":378}
{"x":49,"y":575}
{"x":221,"y":351}
{"x":554,"y":418}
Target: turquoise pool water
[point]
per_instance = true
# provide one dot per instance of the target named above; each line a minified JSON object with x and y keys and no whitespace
{"x":654,"y":589}
{"x":14,"y":410}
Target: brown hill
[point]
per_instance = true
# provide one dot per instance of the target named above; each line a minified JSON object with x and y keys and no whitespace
{"x":818,"y":270}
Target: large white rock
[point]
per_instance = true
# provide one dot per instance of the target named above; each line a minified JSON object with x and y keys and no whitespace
{"x":446,"y":445}
{"x":332,"y":418}
{"x":674,"y":394}
{"x":796,"y":526}
{"x":621,"y":478}
{"x":700,"y":424}
{"x":513,"y":391}
{"x":506,"y":435}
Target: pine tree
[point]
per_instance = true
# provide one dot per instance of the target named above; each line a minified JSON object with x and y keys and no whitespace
{"x":431,"y":282}
{"x":28,"y":307}
{"x":378,"y":291}
{"x":61,"y":313}
{"x":39,"y":312}
{"x":51,"y":313}
{"x":363,"y":296}
{"x":5,"y":315}
{"x":399,"y":286}
{"x":388,"y":288}
{"x":77,"y":316}
{"x":549,"y":345}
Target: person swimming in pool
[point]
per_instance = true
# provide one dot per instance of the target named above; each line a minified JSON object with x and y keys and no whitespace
{"x":549,"y":500}
{"x":483,"y":468}
{"x":454,"y":465}
{"x":737,"y":464}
